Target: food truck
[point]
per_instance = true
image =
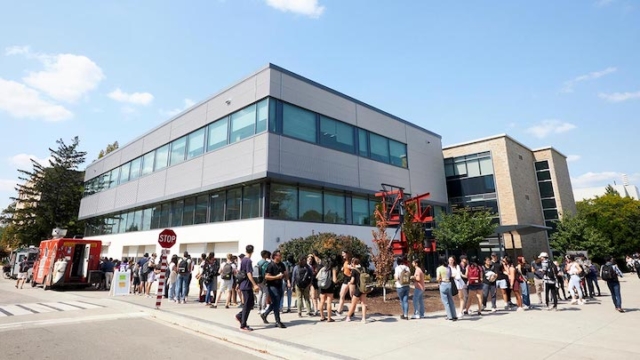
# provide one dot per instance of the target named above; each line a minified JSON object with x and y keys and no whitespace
{"x":66,"y":262}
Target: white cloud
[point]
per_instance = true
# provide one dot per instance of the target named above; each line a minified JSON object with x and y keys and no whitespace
{"x":308,"y":8}
{"x":572,"y":158}
{"x":66,"y":77}
{"x":23,"y":161}
{"x":7,"y":185}
{"x":592,"y":179}
{"x":170,"y":113}
{"x":23,"y":102}
{"x":17,"y":50}
{"x":136,"y":98}
{"x":568,"y":85}
{"x":548,"y":127}
{"x":620,"y":97}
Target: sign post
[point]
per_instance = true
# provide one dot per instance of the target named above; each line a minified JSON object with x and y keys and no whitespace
{"x":166,"y":239}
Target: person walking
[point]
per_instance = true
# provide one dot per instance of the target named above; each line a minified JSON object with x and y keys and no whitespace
{"x":459,"y":276}
{"x":358,"y":295}
{"x":248,"y":286}
{"x":23,"y":270}
{"x":301,"y":279}
{"x":444,"y":280}
{"x":346,"y":272}
{"x":474,"y":284}
{"x":575,"y":289}
{"x":276,"y":272}
{"x":418,"y":292}
{"x":402,"y":276}
{"x":610,"y":273}
{"x":262,"y":268}
{"x":327,"y":280}
{"x":592,"y":279}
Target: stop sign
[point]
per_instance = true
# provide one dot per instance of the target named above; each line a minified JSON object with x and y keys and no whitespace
{"x":167,"y":238}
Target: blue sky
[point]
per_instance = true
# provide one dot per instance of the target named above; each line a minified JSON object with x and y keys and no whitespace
{"x":559,"y":73}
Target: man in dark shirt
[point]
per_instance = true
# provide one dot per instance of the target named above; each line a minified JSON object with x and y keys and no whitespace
{"x":488,"y":286}
{"x":107,"y":268}
{"x":276,"y":272}
{"x":248,"y":286}
{"x":143,"y":275}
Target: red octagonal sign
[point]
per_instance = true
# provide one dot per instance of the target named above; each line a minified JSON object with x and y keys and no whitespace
{"x":167,"y":238}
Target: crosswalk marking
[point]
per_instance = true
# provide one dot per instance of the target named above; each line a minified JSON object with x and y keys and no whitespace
{"x":44,"y":307}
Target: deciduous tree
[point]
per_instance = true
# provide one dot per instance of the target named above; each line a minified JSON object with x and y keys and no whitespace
{"x":574,"y":233}
{"x":463,"y":229}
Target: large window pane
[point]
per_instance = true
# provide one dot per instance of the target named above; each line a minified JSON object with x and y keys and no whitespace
{"x":189,"y":208}
{"x":217,"y":206}
{"x":336,"y":135}
{"x":146,"y":219}
{"x":164,"y":216}
{"x":486,"y":166}
{"x":544,"y":175}
{"x":124,"y":173}
{"x":136,"y":164}
{"x":196,"y":144}
{"x":379,"y":147}
{"x":178,"y":148}
{"x":363,"y":143}
{"x":551,"y":214}
{"x":155,"y":217}
{"x":272,"y":115}
{"x":251,"y":202}
{"x":147,"y":163}
{"x":201,"y":209}
{"x":360,"y":211}
{"x":473,"y":168}
{"x":130,"y":222}
{"x":109,"y":226}
{"x":542,"y":165}
{"x":546,"y":189}
{"x":334,"y":208}
{"x":460,"y":168}
{"x":398,"y":153}
{"x":310,"y":205}
{"x":448,"y":170}
{"x":283,"y":202}
{"x":113,"y":180}
{"x":217,"y":134}
{"x":263,"y":115}
{"x":234,"y":200}
{"x":162,"y":158}
{"x":549,"y":204}
{"x":298,"y":123}
{"x":115,"y":228}
{"x":243,"y":124}
{"x":177,"y":208}
{"x":136,"y":224}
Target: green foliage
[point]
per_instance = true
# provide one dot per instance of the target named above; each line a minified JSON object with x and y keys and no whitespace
{"x":49,"y":197}
{"x":609,"y":190}
{"x":110,"y":148}
{"x":463,"y":230}
{"x":328,"y":246}
{"x":574,"y":233}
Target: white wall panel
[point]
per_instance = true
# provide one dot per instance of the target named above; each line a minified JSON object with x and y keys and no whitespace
{"x":111,"y":161}
{"x":126,"y":194}
{"x":184,"y":177}
{"x":156,"y":138}
{"x":106,"y":201}
{"x":88,"y":206}
{"x":228,"y":163}
{"x":93,"y":170}
{"x":151,"y":187}
{"x":131,"y":151}
{"x":239,"y":96}
{"x":194,"y":119}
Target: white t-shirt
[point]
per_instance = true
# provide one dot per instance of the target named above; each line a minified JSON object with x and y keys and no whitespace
{"x":173,"y":275}
{"x":398,"y":272}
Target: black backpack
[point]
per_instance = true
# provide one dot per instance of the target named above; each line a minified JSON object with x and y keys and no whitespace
{"x":227,"y":271}
{"x":607,"y":273}
{"x":183,"y":266}
{"x":551,"y":273}
{"x":305,"y":276}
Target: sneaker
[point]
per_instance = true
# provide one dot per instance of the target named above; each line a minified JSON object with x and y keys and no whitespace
{"x":348,"y":318}
{"x":310,"y":314}
{"x":402,"y":317}
{"x":520,"y":309}
{"x":264,"y":318}
{"x":246,"y":328}
{"x":299,"y":315}
{"x":493,"y":310}
{"x":415,"y":317}
{"x":507,"y":307}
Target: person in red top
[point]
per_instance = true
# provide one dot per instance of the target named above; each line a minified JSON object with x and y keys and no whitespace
{"x":475,"y":277}
{"x":418,"y":292}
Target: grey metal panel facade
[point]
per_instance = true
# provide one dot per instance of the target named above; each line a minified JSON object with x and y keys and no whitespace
{"x":381,"y":124}
{"x":106,"y":201}
{"x":231,"y":162}
{"x":126,"y":195}
{"x":157,"y":138}
{"x":184,"y":178}
{"x":238,"y":96}
{"x":88,"y":206}
{"x":151,"y":187}
{"x":372,"y":174}
{"x":112,"y":161}
{"x":194,"y":119}
{"x":131,"y":151}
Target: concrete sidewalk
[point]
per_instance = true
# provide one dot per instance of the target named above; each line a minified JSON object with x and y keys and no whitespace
{"x":591,"y":331}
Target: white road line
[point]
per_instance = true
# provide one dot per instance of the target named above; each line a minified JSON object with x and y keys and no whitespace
{"x":82,"y":304}
{"x":15,"y":310}
{"x":39,"y":308}
{"x":73,"y":320}
{"x":61,"y":306}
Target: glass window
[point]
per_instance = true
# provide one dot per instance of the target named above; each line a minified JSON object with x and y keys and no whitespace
{"x":146,"y":219}
{"x":471,"y":186}
{"x":155,"y":216}
{"x":136,"y":224}
{"x":310,"y":205}
{"x":398,"y":153}
{"x":473,"y":168}
{"x":283,"y":202}
{"x":234,"y":199}
{"x":298,"y":123}
{"x":334,"y":208}
{"x":130,"y":221}
{"x":113,"y":180}
{"x":162,"y":158}
{"x":115,"y":221}
{"x":448,"y":170}
{"x":218,"y":200}
{"x":147,"y":163}
{"x":551,"y":214}
{"x":108,"y":226}
{"x":360,"y":211}
{"x":177,"y":208}
{"x":134,"y":173}
{"x":272,"y":115}
{"x":542,"y":165}
{"x":251,"y":202}
{"x":189,"y":208}
{"x":243,"y":123}
{"x":196,"y":144}
{"x":549,"y":204}
{"x":379,"y":147}
{"x":363,"y":143}
{"x":544,"y":175}
{"x":461,"y":168}
{"x":164,"y":216}
{"x":486,"y":166}
{"x":336,"y":135}
{"x":124,"y":173}
{"x":546,"y":189}
{"x":263,"y":115}
{"x":201,"y":209}
{"x":178,"y":148}
{"x":217,"y":134}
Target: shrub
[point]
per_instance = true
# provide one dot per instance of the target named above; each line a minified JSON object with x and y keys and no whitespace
{"x":328,"y":246}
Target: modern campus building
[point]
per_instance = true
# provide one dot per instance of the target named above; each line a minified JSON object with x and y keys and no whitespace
{"x":526,"y":189}
{"x":273,"y":157}
{"x":625,"y":190}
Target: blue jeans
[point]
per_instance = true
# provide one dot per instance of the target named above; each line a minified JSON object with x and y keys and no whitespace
{"x":289,"y":292}
{"x":209,"y":286}
{"x":403,"y":295}
{"x":447,"y":300}
{"x":526,"y":300}
{"x":172,"y":290}
{"x":181,"y":287}
{"x":489,"y":290}
{"x":614,"y":287}
{"x":418,"y":302}
{"x":275,"y":293}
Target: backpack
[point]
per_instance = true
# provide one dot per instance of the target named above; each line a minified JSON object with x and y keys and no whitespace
{"x":550,"y":274}
{"x":227,"y":271}
{"x":258,"y":271}
{"x":405,"y":277}
{"x":608,"y":273}
{"x":324,"y":278}
{"x":365,"y":278}
{"x":263,"y":270}
{"x":183,"y":266}
{"x":145,"y":267}
{"x":473,"y":275}
{"x":24,"y":267}
{"x":305,"y":275}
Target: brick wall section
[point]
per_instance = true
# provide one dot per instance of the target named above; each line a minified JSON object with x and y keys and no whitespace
{"x":560,"y":178}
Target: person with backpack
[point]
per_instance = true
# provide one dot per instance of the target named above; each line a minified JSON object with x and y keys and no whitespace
{"x":359,"y":290}
{"x":327,"y":280}
{"x":474,"y":284}
{"x":262,"y":267}
{"x":550,"y":279}
{"x":150,"y":272}
{"x":418,"y":292}
{"x":275,"y":274}
{"x":402,"y":276}
{"x":592,"y":279}
{"x":444,"y":276}
{"x":212,"y":279}
{"x":226,"y":275}
{"x":143,"y":272}
{"x":184,"y":272}
{"x":200,"y":277}
{"x":301,"y":279}
{"x":575,"y":289}
{"x":23,"y":270}
{"x":610,"y":273}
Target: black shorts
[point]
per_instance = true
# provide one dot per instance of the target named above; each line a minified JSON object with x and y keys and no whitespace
{"x":327,"y":291}
{"x":314,"y":284}
{"x":143,"y":277}
{"x":346,"y":279}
